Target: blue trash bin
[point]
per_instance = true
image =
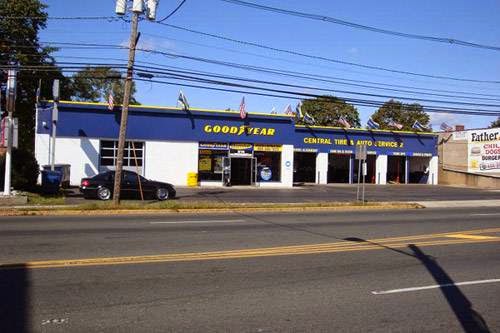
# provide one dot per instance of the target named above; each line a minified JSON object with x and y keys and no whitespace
{"x":51,"y":181}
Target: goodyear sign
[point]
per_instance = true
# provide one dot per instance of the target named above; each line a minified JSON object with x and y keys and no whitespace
{"x":239,"y":130}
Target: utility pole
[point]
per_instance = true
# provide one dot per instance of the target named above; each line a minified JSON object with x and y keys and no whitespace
{"x":10,"y":105}
{"x":137,"y":9}
{"x":55,"y":118}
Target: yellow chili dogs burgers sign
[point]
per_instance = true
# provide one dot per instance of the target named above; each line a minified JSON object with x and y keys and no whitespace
{"x":484,"y":150}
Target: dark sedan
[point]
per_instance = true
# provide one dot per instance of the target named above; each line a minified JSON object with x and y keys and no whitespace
{"x":101,"y":187}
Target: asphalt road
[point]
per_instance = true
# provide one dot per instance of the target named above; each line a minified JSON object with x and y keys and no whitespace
{"x":323,"y":272}
{"x":333,"y":192}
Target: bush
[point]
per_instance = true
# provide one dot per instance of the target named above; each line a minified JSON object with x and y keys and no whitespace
{"x":25,"y":170}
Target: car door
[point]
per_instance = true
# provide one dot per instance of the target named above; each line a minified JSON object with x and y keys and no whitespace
{"x":130,"y":185}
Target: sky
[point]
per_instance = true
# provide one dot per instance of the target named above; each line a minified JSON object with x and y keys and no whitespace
{"x":459,"y":19}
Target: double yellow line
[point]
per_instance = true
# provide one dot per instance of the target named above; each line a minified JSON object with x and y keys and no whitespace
{"x":462,"y":237}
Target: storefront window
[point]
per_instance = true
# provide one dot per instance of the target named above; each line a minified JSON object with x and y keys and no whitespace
{"x":268,"y":166}
{"x":210,"y":164}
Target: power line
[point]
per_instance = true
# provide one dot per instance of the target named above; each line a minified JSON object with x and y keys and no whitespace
{"x":78,"y":45}
{"x":93,"y":18}
{"x":183,"y":76}
{"x":266,"y":91}
{"x":301,"y":54}
{"x":329,"y":19}
{"x":300,"y":96}
{"x":329,"y":90}
{"x":173,"y":12}
{"x":336,"y":80}
{"x":98,"y":46}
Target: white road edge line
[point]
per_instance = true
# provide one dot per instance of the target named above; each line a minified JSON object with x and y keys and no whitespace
{"x":197,"y":221}
{"x":435,"y":286}
{"x":485,"y":214}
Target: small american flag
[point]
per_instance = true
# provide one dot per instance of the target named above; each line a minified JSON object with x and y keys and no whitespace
{"x":445,"y":127}
{"x":342,"y":121}
{"x":288,"y":110}
{"x":111,"y":102}
{"x":394,"y":124}
{"x":243,"y":112}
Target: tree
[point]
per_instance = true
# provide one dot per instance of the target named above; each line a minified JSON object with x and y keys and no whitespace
{"x":495,"y":123}
{"x":404,"y":114}
{"x":19,"y":44}
{"x":326,"y":110}
{"x":93,"y":84}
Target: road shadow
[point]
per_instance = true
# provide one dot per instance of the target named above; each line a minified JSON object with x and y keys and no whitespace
{"x":14,"y":300}
{"x":470,"y":320}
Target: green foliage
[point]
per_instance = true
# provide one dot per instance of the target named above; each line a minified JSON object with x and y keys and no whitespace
{"x":326,"y":110}
{"x":19,"y":44}
{"x":93,"y":84}
{"x":25,"y":170}
{"x":404,"y":114}
{"x":495,"y":123}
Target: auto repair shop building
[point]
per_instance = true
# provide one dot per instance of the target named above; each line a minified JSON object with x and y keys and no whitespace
{"x":166,"y":144}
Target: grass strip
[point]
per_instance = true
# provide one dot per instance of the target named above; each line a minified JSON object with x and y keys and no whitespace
{"x":107,"y":208}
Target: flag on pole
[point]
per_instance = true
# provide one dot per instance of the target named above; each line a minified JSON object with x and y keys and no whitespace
{"x":37,"y":100}
{"x":288,"y":110}
{"x":111,"y":101}
{"x":308,"y":119}
{"x":372,"y":124}
{"x":419,"y":127}
{"x":342,"y":121}
{"x":243,"y":112}
{"x":299,"y":113}
{"x":182,"y":100}
{"x":394,"y":124}
{"x":445,"y":127}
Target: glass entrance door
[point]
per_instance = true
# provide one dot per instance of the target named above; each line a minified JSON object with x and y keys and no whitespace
{"x":241,"y":171}
{"x":226,"y":171}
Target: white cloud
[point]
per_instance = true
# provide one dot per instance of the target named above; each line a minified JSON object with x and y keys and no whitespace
{"x":353,"y":51}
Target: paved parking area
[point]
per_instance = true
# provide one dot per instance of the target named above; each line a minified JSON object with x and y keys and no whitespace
{"x":314,"y":193}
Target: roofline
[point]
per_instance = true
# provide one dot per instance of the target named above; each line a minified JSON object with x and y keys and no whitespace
{"x":363,"y":129}
{"x":173,"y":108}
{"x":252,"y":113}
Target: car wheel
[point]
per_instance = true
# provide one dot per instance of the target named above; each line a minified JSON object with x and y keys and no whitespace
{"x":103,"y":193}
{"x":162,"y":194}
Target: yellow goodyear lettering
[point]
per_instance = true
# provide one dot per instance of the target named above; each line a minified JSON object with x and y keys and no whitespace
{"x":239,"y":130}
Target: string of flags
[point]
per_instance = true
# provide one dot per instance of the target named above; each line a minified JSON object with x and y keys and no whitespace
{"x":111,"y":101}
{"x":304,"y":116}
{"x":372,"y":124}
{"x":419,"y":127}
{"x":394,"y":124}
{"x":182,"y":101}
{"x":445,"y":127}
{"x":243,"y":112}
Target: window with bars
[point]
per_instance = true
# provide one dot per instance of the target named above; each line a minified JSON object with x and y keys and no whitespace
{"x":133,"y":151}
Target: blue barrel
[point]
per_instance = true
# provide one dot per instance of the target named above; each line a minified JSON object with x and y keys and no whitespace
{"x":51,"y":181}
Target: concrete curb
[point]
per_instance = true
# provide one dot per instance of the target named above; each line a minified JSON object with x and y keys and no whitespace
{"x":460,"y":203}
{"x":70,"y":212}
